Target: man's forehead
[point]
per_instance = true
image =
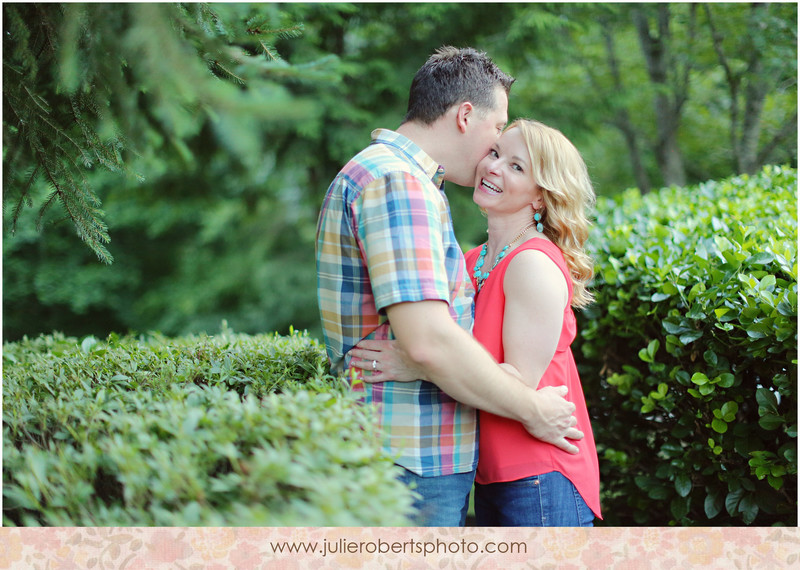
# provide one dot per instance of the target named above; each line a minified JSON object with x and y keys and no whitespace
{"x":501,"y":98}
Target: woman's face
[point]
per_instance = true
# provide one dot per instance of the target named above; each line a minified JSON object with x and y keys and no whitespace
{"x":503,"y":180}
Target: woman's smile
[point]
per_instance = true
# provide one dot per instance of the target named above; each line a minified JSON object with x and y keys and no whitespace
{"x":491,"y":188}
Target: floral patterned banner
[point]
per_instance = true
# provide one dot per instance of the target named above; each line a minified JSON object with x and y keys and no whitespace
{"x":289,"y":548}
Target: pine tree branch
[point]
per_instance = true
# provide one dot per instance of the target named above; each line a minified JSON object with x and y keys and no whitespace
{"x":228,"y":72}
{"x":24,"y":200}
{"x":290,"y":32}
{"x":150,"y":67}
{"x":269,"y":51}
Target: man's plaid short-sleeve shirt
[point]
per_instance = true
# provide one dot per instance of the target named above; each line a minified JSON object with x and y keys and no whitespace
{"x":385,"y":236}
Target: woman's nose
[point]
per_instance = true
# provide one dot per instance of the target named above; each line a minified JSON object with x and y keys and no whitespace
{"x":494,"y":165}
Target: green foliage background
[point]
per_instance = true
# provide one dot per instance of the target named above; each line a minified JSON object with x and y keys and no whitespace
{"x":689,"y":354}
{"x":223,"y":430}
{"x":199,"y":139}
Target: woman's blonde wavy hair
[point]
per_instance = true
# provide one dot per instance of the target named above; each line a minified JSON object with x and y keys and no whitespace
{"x":561,"y":173}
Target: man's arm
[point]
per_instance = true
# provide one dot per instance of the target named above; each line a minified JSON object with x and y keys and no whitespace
{"x":464,"y":370}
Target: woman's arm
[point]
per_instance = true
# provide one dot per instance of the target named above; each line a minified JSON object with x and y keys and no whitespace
{"x":536,"y":296}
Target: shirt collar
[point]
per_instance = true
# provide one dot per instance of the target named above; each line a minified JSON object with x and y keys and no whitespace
{"x":391,"y":138}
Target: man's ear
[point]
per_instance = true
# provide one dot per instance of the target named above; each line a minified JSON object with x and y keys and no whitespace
{"x":464,"y":114}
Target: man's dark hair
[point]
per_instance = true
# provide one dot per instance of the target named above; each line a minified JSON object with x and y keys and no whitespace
{"x":450,"y":77}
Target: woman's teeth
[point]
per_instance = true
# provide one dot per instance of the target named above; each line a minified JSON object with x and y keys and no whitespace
{"x":491,"y":187}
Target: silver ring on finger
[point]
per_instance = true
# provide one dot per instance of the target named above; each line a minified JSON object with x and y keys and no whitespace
{"x":374,"y":365}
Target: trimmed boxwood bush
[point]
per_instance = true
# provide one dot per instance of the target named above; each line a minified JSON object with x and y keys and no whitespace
{"x":194,"y":431}
{"x":689,"y":354}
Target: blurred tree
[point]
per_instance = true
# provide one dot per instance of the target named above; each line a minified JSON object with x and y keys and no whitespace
{"x":620,"y":114}
{"x":670,"y":75}
{"x":647,"y":79}
{"x":92,"y":84}
{"x":753,"y":44}
{"x":192,"y":97}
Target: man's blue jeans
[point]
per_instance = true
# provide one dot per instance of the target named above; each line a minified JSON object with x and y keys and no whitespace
{"x":543,"y":500}
{"x":443,"y":500}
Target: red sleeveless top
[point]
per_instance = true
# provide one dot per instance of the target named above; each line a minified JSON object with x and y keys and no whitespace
{"x":507,"y":451}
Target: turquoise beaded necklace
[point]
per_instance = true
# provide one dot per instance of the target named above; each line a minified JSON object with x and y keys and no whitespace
{"x":481,"y":276}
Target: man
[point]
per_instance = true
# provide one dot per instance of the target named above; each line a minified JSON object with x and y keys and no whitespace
{"x":389,"y":266}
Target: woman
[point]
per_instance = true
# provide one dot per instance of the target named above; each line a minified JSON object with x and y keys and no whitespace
{"x":535,"y":190}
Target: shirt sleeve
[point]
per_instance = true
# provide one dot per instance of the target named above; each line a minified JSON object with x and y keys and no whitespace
{"x":400,"y":231}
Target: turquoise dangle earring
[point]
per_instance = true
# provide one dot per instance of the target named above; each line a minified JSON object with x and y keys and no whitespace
{"x":537,"y":217}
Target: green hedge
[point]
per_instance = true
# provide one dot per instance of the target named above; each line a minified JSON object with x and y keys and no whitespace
{"x":223,"y":430}
{"x":689,"y":355}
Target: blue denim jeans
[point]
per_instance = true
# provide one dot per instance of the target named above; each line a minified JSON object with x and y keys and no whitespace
{"x":442,"y":500}
{"x":543,"y":500}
